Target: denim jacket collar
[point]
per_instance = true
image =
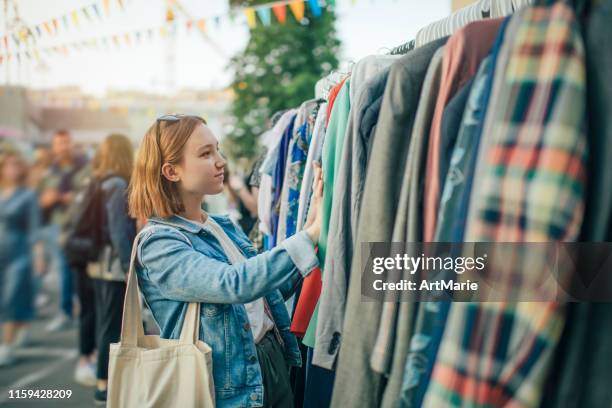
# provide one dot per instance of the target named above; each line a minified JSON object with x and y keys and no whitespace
{"x":186,"y":225}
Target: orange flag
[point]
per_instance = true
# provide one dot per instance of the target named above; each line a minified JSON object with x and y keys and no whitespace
{"x":280,"y":12}
{"x":201,"y":24}
{"x":297,"y":7}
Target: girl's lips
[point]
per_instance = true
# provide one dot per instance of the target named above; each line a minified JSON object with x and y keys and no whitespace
{"x":220,"y":176}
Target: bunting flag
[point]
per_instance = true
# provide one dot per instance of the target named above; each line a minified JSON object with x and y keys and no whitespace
{"x":265,"y":15}
{"x":315,"y":8}
{"x":297,"y":8}
{"x":96,"y":10}
{"x":201,"y":24}
{"x":120,"y":3}
{"x":281,"y":13}
{"x":26,"y":39}
{"x":75,"y":18}
{"x":86,"y":14}
{"x":250,"y":15}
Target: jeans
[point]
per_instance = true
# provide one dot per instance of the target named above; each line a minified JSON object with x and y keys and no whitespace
{"x":51,"y":235}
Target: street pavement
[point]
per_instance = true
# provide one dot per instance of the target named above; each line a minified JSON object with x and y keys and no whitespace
{"x":46,"y":363}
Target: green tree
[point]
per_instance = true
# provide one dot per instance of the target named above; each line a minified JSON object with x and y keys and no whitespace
{"x":278,"y":70}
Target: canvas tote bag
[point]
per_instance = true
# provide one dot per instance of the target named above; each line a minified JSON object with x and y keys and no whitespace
{"x":148,"y":371}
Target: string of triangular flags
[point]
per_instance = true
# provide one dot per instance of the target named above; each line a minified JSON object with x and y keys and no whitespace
{"x":117,"y":40}
{"x":52,"y":26}
{"x":25,"y":49}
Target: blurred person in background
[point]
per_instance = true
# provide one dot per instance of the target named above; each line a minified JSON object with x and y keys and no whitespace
{"x":38,"y":172}
{"x":40,"y":168}
{"x":55,"y":197}
{"x":21,"y":253}
{"x":112,"y":170}
{"x":69,"y":173}
{"x":244,"y":199}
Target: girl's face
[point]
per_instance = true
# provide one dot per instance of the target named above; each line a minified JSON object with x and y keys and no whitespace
{"x":202,"y":168}
{"x":12,"y":170}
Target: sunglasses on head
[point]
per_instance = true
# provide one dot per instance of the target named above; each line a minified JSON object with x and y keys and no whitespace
{"x":172,"y":119}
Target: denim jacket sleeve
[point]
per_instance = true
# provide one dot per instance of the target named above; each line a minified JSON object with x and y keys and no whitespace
{"x":121,"y":228}
{"x":184,"y":274}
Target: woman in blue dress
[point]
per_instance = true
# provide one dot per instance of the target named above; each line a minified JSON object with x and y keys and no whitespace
{"x":20,"y":252}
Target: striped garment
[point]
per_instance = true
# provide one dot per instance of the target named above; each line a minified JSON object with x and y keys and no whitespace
{"x":530,"y":187}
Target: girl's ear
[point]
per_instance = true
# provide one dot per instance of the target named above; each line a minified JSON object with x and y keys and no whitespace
{"x":169,"y":172}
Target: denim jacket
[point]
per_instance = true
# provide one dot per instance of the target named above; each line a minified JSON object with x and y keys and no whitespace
{"x":180,"y":262}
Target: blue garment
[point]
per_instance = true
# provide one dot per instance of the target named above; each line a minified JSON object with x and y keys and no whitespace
{"x":319,"y":384}
{"x":180,"y":262}
{"x":19,"y":229}
{"x":279,"y":177}
{"x":297,"y":162}
{"x":121,"y":228}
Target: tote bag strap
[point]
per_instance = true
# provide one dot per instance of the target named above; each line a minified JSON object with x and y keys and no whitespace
{"x":131,"y":324}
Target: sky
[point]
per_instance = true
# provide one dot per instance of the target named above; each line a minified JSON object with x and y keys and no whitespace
{"x":365,"y":27}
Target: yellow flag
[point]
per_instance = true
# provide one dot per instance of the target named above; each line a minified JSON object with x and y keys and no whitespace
{"x":250,"y":15}
{"x":297,"y":8}
{"x":75,"y":18}
{"x":201,"y":24}
{"x":107,"y":6}
{"x":162,"y":31}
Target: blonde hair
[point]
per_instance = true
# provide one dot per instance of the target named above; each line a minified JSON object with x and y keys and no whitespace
{"x":8,"y":153}
{"x":150,"y":193}
{"x":114,"y":156}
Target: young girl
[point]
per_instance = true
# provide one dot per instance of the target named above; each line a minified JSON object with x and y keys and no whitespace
{"x":186,"y":255}
{"x":113,"y":169}
{"x":20,"y":252}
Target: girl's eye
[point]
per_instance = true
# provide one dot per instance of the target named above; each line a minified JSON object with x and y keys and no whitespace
{"x":205,"y":154}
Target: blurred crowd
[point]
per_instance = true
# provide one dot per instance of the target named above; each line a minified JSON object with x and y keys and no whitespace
{"x":64,"y":220}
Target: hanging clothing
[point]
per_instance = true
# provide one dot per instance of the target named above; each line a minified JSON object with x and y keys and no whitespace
{"x":271,"y":140}
{"x":431,"y":316}
{"x":297,"y":152}
{"x":315,"y":150}
{"x":479,"y":10}
{"x":504,"y":350}
{"x":407,"y":228}
{"x":348,"y":190}
{"x":576,"y":377}
{"x":332,"y":151}
{"x":464,"y":52}
{"x":356,"y":384}
{"x":311,"y":288}
{"x":279,"y":178}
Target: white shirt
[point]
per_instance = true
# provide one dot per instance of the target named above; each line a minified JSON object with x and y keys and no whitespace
{"x":259,"y":320}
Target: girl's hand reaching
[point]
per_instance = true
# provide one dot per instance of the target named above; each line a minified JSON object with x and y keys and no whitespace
{"x":315,"y":212}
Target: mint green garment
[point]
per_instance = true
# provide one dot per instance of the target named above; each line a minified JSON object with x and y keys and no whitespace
{"x":332,"y":152}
